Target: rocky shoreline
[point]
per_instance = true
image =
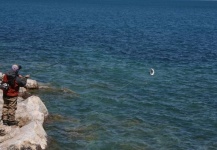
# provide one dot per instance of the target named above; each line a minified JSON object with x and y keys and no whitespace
{"x":31,"y":113}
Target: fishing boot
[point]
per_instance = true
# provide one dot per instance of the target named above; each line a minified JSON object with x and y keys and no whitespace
{"x":5,"y":122}
{"x":13,"y":123}
{"x":4,"y":119}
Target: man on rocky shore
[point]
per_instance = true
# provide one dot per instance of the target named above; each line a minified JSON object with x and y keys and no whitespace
{"x":12,"y":81}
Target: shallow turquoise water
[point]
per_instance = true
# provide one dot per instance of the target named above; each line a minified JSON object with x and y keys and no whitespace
{"x":97,"y":56}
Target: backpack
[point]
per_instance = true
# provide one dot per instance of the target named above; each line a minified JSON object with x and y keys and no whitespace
{"x":13,"y":76}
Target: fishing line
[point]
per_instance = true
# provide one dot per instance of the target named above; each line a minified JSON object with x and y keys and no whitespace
{"x":126,"y":85}
{"x":152,"y":72}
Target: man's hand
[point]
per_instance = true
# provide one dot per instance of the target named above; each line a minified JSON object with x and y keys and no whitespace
{"x":27,"y":76}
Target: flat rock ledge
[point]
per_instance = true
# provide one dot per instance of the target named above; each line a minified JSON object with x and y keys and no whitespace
{"x":29,"y":134}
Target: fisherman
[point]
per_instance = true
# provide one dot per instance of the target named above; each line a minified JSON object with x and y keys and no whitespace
{"x":12,"y":82}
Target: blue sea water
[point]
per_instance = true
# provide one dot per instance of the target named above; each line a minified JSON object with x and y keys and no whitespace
{"x":96,"y":56}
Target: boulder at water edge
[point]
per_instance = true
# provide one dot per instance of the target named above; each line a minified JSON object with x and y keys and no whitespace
{"x":29,"y":134}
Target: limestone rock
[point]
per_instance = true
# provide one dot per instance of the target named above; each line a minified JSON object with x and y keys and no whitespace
{"x":31,"y":136}
{"x":32,"y":84}
{"x":8,"y":132}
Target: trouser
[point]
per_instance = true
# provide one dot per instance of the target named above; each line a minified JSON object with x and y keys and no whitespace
{"x":9,"y":108}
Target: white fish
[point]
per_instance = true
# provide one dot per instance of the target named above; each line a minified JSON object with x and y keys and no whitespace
{"x":151,"y":71}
